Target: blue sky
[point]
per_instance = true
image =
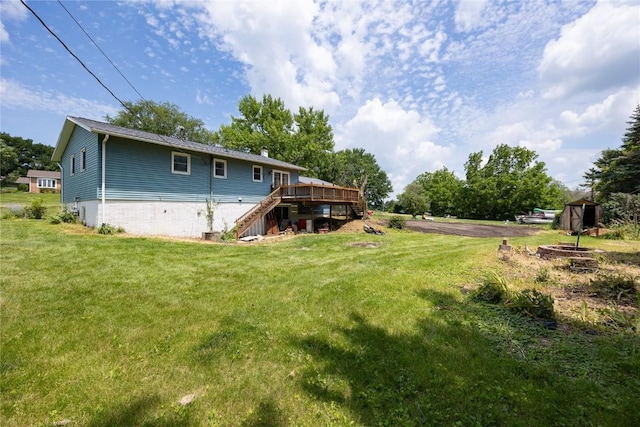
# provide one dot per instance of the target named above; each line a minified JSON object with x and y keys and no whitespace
{"x":420,"y":85}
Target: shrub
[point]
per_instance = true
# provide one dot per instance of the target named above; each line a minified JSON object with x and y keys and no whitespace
{"x":532,"y":303}
{"x":543,"y":276}
{"x":612,"y":286}
{"x":13,"y":211}
{"x":109,"y":229}
{"x":36,"y":210}
{"x":65,"y":216}
{"x":493,"y":290}
{"x":228,"y":235}
{"x":397,"y":222}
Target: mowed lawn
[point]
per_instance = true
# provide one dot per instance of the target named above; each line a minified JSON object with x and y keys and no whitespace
{"x":318,"y":330}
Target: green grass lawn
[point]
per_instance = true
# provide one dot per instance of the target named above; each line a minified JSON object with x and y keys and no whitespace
{"x":13,"y":200}
{"x":336,"y":329}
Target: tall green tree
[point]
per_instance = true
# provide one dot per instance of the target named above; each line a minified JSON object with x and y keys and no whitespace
{"x":162,"y":119}
{"x":414,"y":199}
{"x":618,"y":170}
{"x":443,"y":189}
{"x":304,"y":138}
{"x":357,"y":168}
{"x":20,"y":154}
{"x":267,"y":123}
{"x":512,"y":180}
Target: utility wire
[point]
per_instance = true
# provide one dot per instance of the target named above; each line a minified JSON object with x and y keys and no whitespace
{"x":73,"y":54}
{"x":92,"y":73}
{"x":101,"y":51}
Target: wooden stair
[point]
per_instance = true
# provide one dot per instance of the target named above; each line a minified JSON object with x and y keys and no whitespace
{"x":257,"y":212}
{"x":358,"y":208}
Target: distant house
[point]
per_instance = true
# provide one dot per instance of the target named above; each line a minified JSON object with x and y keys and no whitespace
{"x":39,"y":181}
{"x":574,"y":219}
{"x":157,"y":185}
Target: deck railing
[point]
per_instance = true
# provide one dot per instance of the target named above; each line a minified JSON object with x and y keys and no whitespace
{"x":319,"y":193}
{"x":316,"y":193}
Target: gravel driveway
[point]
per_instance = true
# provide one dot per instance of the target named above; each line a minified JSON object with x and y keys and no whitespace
{"x":472,"y":230}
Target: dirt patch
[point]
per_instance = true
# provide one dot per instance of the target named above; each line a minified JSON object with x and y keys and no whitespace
{"x":472,"y":230}
{"x":371,"y":245}
{"x":357,"y":226}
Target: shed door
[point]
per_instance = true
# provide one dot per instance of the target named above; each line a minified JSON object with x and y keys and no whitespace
{"x":574,"y":217}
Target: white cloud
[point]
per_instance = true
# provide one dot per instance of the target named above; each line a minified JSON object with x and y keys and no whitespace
{"x":469,"y":14}
{"x":274,"y":41}
{"x":401,"y":140}
{"x":10,"y":10}
{"x":203,"y":98}
{"x":549,"y":145}
{"x":598,"y":51}
{"x":15,"y":95}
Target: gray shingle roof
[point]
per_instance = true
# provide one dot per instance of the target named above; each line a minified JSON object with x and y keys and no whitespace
{"x":176,"y":143}
{"x":33,"y":173}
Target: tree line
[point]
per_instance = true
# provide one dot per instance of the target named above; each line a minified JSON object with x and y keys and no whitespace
{"x":510,"y":181}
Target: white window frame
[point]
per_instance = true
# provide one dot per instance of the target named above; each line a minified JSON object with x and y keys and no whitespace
{"x":280,"y":174}
{"x":83,"y":160}
{"x":175,"y":154}
{"x":72,"y":165}
{"x":47,"y":183}
{"x":215,"y":174}
{"x":254,"y":169}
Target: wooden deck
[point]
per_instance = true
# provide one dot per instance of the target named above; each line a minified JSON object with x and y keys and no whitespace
{"x":320,"y":194}
{"x":309,"y":194}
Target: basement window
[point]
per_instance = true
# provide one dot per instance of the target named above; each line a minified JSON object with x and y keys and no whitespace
{"x":180,"y":163}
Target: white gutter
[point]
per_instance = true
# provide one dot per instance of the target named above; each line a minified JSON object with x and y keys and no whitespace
{"x":61,"y":182}
{"x":104,"y":178}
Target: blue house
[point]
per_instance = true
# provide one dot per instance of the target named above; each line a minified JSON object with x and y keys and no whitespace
{"x":151,"y":184}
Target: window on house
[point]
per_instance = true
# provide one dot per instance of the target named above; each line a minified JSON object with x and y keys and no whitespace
{"x":83,"y":160}
{"x":181,"y":163}
{"x":220,"y":168}
{"x":46,"y":183}
{"x":280,"y":178}
{"x":72,"y":166}
{"x":257,"y":174}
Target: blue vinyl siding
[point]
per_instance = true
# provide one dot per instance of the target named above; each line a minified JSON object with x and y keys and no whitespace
{"x":82,"y":184}
{"x":239,"y":183}
{"x":142,"y":171}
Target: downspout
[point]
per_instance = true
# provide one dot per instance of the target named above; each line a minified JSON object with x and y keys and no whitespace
{"x":104,"y":178}
{"x":61,"y":184}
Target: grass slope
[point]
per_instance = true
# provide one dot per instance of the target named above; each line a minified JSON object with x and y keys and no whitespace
{"x":103,"y":331}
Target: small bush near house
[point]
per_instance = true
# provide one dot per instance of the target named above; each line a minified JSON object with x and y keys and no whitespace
{"x":65,"y":216}
{"x":36,"y":210}
{"x":109,"y":229}
{"x":228,"y":235}
{"x":397,"y":222}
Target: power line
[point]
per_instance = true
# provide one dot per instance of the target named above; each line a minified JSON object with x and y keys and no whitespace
{"x":92,"y":73}
{"x":101,"y":51}
{"x":73,"y":54}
